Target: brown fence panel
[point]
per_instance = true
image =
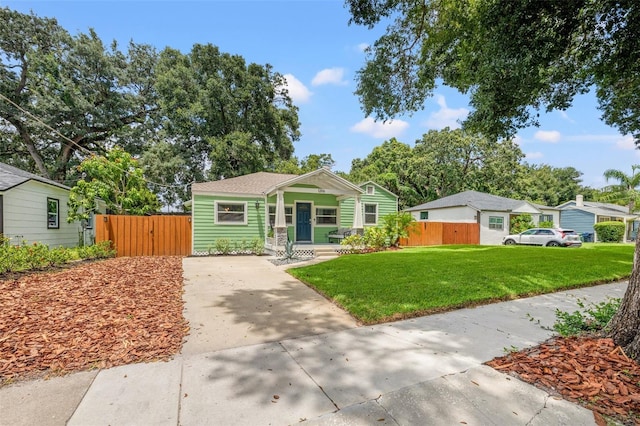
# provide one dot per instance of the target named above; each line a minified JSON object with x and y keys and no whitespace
{"x":438,"y":233}
{"x":146,"y":235}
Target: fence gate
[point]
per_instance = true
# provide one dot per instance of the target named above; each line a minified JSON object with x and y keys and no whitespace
{"x":146,"y":235}
{"x":439,"y":233}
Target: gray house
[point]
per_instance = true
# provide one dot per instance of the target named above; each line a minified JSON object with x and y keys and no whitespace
{"x":581,"y":215}
{"x":491,"y":212}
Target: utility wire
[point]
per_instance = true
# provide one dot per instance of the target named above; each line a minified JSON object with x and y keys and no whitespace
{"x":80,"y":147}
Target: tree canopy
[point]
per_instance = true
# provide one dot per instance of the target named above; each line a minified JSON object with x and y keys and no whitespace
{"x":514,"y":58}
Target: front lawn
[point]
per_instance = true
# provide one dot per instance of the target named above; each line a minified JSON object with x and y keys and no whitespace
{"x":382,"y":286}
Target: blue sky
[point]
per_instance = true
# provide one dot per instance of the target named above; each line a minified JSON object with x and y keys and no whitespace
{"x":311,"y":43}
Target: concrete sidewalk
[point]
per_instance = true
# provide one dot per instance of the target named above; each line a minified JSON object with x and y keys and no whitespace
{"x":422,"y":371}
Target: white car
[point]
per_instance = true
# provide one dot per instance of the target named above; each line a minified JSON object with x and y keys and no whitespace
{"x":550,"y":237}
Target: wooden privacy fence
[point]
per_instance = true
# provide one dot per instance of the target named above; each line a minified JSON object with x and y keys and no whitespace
{"x":146,"y":235}
{"x":439,"y":233}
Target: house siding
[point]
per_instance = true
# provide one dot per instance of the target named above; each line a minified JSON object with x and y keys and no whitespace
{"x":387,"y":203}
{"x":25,"y":215}
{"x":490,"y":236}
{"x":578,"y":220}
{"x":206,"y":232}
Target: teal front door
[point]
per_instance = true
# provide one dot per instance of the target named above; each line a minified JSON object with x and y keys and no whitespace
{"x":303,"y":222}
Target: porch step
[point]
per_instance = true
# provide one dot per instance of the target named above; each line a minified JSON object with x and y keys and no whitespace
{"x":325,"y":251}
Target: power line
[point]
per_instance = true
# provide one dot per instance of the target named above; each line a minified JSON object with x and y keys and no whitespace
{"x":80,"y":147}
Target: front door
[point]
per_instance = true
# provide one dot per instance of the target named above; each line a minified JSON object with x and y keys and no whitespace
{"x":303,"y":222}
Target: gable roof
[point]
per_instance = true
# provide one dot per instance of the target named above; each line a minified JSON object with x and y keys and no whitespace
{"x":266,"y":183}
{"x":370,"y":182}
{"x":601,"y":209}
{"x":479,"y":201}
{"x":11,"y":177}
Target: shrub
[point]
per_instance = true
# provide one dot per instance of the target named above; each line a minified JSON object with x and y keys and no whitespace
{"x":397,"y":225}
{"x":545,"y":224}
{"x":355,"y":242}
{"x":375,"y":238}
{"x":593,"y":319}
{"x":609,"y":232}
{"x":521,"y":223}
{"x":257,"y":247}
{"x":37,"y":255}
{"x":223,"y":246}
{"x":59,"y":256}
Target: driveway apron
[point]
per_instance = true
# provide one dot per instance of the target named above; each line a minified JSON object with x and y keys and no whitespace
{"x":233,"y":301}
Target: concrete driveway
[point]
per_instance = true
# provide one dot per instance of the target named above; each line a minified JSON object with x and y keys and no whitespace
{"x":233,"y":301}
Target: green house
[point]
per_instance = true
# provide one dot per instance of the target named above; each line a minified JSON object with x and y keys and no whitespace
{"x":306,"y":209}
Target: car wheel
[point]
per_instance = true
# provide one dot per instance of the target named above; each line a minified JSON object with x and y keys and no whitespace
{"x":553,"y":244}
{"x":509,"y":242}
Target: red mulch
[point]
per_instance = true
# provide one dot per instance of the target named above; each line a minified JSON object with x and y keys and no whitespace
{"x":587,"y":370}
{"x":94,"y":315}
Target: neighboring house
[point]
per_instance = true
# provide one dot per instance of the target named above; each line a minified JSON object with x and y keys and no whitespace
{"x":34,"y":209}
{"x":279,"y":207}
{"x":581,"y":215}
{"x":492,"y":212}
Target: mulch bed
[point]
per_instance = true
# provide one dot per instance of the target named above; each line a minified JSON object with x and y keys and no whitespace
{"x":590,"y":371}
{"x":94,"y":315}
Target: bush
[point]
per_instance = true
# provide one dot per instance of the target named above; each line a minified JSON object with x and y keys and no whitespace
{"x":593,"y":319}
{"x":375,"y":238}
{"x":355,"y":242}
{"x":521,"y":223}
{"x":223,"y":246}
{"x":396,"y":226}
{"x":257,"y":247}
{"x":545,"y":224}
{"x":609,"y":232}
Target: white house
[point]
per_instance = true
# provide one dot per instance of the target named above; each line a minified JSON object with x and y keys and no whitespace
{"x":34,"y":209}
{"x":492,"y":212}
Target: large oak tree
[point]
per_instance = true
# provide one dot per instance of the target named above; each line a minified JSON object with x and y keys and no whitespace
{"x":514,"y":58}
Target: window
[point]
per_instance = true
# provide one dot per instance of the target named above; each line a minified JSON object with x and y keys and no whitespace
{"x":545,"y":218}
{"x":53,"y":213}
{"x":231,"y":213}
{"x":496,"y":222}
{"x":371,"y":190}
{"x":326,"y":216}
{"x":424,"y":215}
{"x":609,"y":219}
{"x":370,"y":214}
{"x":288,"y":215}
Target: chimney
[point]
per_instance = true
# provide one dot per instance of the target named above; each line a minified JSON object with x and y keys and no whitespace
{"x":579,"y":201}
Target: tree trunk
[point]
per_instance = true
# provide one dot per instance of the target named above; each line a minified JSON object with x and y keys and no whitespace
{"x":624,"y":327}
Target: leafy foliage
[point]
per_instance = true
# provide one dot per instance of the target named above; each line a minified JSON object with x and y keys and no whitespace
{"x":609,"y":232}
{"x":520,"y":223}
{"x":396,"y":226}
{"x":592,"y":319}
{"x":116,"y":179}
{"x":626,"y":190}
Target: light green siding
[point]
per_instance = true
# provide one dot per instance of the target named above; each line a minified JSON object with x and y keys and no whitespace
{"x":206,"y":232}
{"x":386,"y":203}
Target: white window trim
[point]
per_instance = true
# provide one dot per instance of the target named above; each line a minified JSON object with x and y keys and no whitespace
{"x":495,"y":228}
{"x":325,"y":225}
{"x":215,"y":213}
{"x":293,"y":213}
{"x":373,"y":190}
{"x":364,"y":214}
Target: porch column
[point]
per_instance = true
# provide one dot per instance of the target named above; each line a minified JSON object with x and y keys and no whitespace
{"x":357,"y":216}
{"x":280,"y":226}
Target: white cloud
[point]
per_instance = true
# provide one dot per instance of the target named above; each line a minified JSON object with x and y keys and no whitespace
{"x":626,"y":143}
{"x":362,"y":47}
{"x":378,"y":129}
{"x":533,"y":155}
{"x":518,"y":140}
{"x":445,"y":116}
{"x":298,"y":91}
{"x":329,"y":76}
{"x":550,"y":136}
{"x":565,"y":116}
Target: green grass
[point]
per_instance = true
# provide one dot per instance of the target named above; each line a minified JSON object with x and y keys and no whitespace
{"x":383,"y":286}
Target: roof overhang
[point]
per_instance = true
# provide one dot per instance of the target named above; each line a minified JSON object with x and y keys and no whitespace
{"x":321,"y":178}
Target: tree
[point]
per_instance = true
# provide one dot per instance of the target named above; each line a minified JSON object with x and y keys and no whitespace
{"x":548,"y":185}
{"x":626,"y":190}
{"x":513,"y":58}
{"x":116,"y":179}
{"x":64,"y":97}
{"x":218,"y":110}
{"x":308,"y":164}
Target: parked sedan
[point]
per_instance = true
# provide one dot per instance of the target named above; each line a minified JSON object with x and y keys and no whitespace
{"x":545,"y":237}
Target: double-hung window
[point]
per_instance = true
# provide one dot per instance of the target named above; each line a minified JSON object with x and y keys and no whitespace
{"x":496,"y":222}
{"x":326,"y":216}
{"x":370,"y":214}
{"x":231,"y":213}
{"x":53,"y":213}
{"x":288,"y":215}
